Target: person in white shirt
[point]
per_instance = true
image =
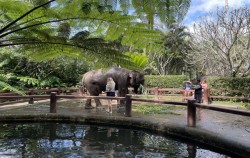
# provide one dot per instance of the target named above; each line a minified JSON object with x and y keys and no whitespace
{"x":110,"y":91}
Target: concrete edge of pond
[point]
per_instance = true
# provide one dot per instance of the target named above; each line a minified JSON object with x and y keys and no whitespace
{"x":198,"y":135}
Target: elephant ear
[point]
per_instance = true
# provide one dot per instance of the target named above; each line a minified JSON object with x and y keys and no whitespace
{"x":141,"y":79}
{"x":130,"y":78}
{"x":130,"y":75}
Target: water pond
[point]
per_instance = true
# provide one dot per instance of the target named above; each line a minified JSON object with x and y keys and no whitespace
{"x":59,"y":140}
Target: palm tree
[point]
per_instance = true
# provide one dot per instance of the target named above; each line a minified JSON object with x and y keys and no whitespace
{"x":172,"y":59}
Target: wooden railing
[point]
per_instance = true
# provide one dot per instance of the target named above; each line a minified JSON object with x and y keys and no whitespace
{"x":35,"y":91}
{"x":206,"y":98}
{"x":156,"y":92}
{"x":190,"y":104}
{"x":32,"y":93}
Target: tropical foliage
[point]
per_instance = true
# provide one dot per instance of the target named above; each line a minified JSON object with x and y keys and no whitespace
{"x":50,"y":35}
{"x":173,"y":59}
{"x":56,"y":30}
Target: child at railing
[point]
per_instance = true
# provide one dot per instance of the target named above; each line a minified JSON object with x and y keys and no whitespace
{"x":187,"y":87}
{"x":110,"y":90}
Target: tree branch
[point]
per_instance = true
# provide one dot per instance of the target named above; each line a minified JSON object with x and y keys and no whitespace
{"x":24,"y":15}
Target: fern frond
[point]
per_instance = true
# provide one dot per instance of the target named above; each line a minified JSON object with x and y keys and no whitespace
{"x":29,"y":80}
{"x":6,"y":86}
{"x":138,"y":59}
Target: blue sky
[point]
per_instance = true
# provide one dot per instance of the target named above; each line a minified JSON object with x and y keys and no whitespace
{"x":202,"y":7}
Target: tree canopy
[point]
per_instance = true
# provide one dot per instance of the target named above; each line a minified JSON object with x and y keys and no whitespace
{"x":99,"y":33}
{"x":79,"y":29}
{"x":222,"y":43}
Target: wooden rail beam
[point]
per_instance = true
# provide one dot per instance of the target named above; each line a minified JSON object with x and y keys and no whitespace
{"x":223,"y":109}
{"x":53,"y":102}
{"x":31,"y":101}
{"x":128,"y":108}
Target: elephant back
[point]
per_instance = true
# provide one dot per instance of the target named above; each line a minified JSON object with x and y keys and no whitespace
{"x":94,"y":77}
{"x":130,"y":77}
{"x":118,"y":74}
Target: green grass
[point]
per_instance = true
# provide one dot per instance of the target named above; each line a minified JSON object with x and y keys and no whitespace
{"x":236,"y":104}
{"x":164,"y":109}
{"x":156,"y":109}
{"x":161,"y":98}
{"x":245,"y":105}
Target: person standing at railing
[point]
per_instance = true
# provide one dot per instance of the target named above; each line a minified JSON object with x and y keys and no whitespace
{"x":205,"y":92}
{"x":110,"y":90}
{"x":187,"y":87}
{"x":197,"y":91}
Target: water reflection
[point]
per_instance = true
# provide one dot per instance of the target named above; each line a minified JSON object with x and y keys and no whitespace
{"x":52,"y":140}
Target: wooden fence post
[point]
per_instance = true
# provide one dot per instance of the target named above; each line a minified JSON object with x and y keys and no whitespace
{"x":59,"y":91}
{"x":53,"y":102}
{"x":156,"y":92}
{"x":128,"y":107}
{"x":191,"y":113}
{"x":31,"y":92}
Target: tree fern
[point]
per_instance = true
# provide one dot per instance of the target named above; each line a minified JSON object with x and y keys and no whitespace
{"x":138,"y":59}
{"x":29,"y":80}
{"x":110,"y":20}
{"x":5,"y":86}
{"x":47,"y":31}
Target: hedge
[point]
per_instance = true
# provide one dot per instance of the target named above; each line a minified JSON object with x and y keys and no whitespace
{"x":214,"y":82}
{"x":165,"y":81}
{"x":230,"y":83}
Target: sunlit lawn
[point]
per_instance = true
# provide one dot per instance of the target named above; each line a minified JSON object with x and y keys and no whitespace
{"x":151,"y":108}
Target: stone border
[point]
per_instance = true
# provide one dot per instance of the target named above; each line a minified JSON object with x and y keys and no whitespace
{"x":200,"y":136}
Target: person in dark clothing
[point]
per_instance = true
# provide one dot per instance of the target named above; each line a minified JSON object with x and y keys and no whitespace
{"x":198,"y":91}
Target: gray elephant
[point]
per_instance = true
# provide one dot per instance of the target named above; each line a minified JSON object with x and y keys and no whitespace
{"x":95,"y":82}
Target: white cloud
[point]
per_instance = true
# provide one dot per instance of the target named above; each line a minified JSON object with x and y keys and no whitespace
{"x":201,"y":7}
{"x":205,"y":6}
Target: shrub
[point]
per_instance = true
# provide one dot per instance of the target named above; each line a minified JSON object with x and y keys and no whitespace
{"x":165,"y":81}
{"x":230,"y":83}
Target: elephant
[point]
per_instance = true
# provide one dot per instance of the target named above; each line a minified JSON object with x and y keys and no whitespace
{"x":95,"y":82}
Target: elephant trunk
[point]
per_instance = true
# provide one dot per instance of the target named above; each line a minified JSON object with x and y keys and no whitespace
{"x":136,"y":89}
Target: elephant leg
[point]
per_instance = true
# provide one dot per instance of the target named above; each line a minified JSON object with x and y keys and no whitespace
{"x":98,"y":103}
{"x":122,"y":93}
{"x":88,"y":104}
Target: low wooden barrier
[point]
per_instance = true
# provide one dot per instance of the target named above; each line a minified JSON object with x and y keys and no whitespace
{"x":156,"y":92}
{"x":191,"y":108}
{"x":191,"y":105}
{"x":32,"y":92}
{"x":182,"y":93}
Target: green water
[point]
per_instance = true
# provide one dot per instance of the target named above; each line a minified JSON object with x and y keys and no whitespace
{"x":58,"y":140}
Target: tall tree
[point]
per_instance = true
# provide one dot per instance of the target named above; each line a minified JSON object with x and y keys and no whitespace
{"x":173,"y":58}
{"x":222,"y":43}
{"x":166,"y":16}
